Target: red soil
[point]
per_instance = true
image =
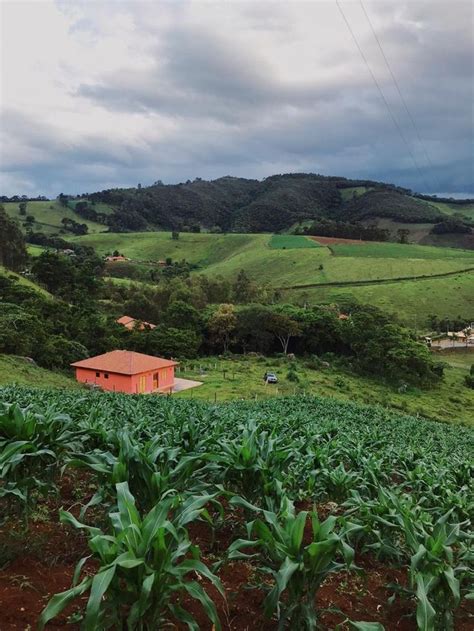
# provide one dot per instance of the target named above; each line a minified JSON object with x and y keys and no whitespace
{"x":336,"y":241}
{"x":42,"y":563}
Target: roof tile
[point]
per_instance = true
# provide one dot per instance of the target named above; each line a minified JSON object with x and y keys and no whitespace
{"x":124,"y":362}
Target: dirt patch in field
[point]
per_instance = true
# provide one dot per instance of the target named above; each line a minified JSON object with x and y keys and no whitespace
{"x":336,"y":241}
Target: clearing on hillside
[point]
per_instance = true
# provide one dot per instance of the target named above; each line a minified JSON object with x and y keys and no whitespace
{"x":291,"y":242}
{"x":48,"y":216}
{"x":336,"y":240}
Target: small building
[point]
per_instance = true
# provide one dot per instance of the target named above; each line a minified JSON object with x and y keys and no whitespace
{"x":116,"y":259}
{"x":132,"y":323}
{"x":127,"y":371}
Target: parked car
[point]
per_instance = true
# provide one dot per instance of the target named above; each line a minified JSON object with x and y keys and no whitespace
{"x":270,"y":377}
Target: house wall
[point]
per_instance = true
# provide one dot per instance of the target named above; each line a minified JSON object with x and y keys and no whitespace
{"x":129,"y":384}
{"x":114,"y":382}
{"x":165,"y":379}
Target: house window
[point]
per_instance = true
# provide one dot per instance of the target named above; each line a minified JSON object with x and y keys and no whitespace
{"x":97,"y":374}
{"x":106,"y":375}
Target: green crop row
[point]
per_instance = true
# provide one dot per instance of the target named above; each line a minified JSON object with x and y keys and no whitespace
{"x":400,"y":488}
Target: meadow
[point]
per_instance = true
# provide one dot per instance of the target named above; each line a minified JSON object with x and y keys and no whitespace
{"x":290,"y":265}
{"x":295,"y":513}
{"x":48,"y":215}
{"x":242,"y":378}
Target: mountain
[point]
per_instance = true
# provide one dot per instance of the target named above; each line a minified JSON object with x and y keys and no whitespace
{"x":273,"y":204}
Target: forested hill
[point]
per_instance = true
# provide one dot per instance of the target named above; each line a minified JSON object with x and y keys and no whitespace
{"x":273,"y":204}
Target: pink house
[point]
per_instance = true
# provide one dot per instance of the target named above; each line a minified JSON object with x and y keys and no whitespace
{"x":127,"y":371}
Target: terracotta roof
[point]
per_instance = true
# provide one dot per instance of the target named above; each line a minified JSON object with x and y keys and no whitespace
{"x":129,"y":323}
{"x":124,"y":362}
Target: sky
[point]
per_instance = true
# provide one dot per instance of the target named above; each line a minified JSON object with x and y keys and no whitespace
{"x":96,"y":95}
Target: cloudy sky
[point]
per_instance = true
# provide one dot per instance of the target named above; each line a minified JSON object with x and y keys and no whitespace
{"x":100,"y":94}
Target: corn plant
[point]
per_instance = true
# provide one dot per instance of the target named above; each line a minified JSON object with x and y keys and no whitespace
{"x":439,"y":563}
{"x":252,"y":462}
{"x":146,"y":565}
{"x":151,"y":470}
{"x":297,"y":564}
{"x":31,"y":448}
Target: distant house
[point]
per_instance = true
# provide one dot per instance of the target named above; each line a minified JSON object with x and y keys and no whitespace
{"x":127,"y":371}
{"x":131,"y":323}
{"x":116,"y":259}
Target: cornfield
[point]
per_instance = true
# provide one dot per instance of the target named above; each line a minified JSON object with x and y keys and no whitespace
{"x":399,"y":490}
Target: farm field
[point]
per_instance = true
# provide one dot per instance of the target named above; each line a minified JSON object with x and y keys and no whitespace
{"x":48,"y":215}
{"x":331,"y":476}
{"x":242,"y":378}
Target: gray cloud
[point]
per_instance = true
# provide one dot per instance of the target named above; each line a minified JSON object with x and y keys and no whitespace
{"x":236,"y":93}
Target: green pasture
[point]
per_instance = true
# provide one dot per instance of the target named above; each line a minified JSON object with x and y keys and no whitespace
{"x":291,"y":242}
{"x":23,"y":281}
{"x":400,"y":251}
{"x":18,"y":370}
{"x":357,"y":191}
{"x":48,"y":215}
{"x":412,"y":302}
{"x":225,"y":255}
{"x":242,"y":378}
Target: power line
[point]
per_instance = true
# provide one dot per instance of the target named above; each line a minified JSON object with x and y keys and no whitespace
{"x":382,"y":95}
{"x":415,"y":127}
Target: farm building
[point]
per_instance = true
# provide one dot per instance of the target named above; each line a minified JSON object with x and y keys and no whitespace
{"x":116,"y":259}
{"x":131,"y":323}
{"x":127,"y":371}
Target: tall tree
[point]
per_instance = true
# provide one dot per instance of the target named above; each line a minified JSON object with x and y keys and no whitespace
{"x":222,"y":324}
{"x":12,"y":244}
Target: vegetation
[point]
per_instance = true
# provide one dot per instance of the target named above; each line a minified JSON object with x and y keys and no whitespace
{"x":12,"y":247}
{"x":48,"y":217}
{"x":274,"y":204}
{"x":393,"y":489}
{"x":290,"y":241}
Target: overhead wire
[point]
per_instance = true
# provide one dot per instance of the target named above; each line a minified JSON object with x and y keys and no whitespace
{"x":382,"y":95}
{"x":402,"y":98}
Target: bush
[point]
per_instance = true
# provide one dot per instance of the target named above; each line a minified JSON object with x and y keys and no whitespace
{"x":292,"y":375}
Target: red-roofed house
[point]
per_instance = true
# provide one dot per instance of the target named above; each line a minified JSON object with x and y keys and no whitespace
{"x":131,"y":323}
{"x":127,"y":371}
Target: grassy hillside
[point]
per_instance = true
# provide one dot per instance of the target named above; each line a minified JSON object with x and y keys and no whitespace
{"x":20,"y":371}
{"x":467,"y":210}
{"x":452,"y":401}
{"x":411,"y":301}
{"x":48,"y":215}
{"x":290,"y":265}
{"x":241,"y":378}
{"x":23,"y":281}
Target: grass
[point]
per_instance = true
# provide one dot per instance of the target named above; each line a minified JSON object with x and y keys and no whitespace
{"x":226,"y":255}
{"x":24,"y":281}
{"x":48,"y":217}
{"x":291,"y":242}
{"x":18,"y":370}
{"x":242,"y":378}
{"x":451,"y":209}
{"x":401,"y":251}
{"x":409,"y":301}
{"x":357,"y":191}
